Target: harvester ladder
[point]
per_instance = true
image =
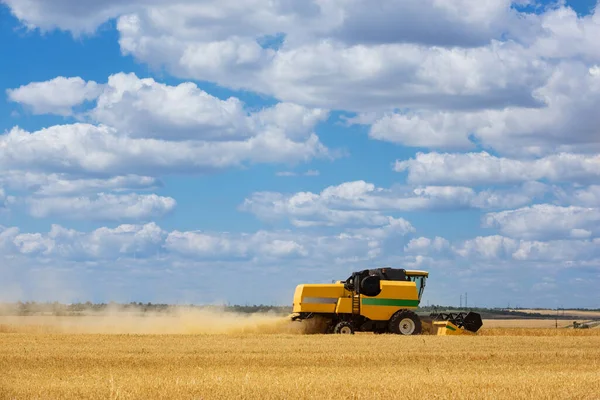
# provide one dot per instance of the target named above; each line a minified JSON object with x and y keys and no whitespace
{"x":356,"y":304}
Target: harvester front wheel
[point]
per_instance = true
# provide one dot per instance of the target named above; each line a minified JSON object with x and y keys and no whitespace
{"x":405,"y":322}
{"x":344,"y":327}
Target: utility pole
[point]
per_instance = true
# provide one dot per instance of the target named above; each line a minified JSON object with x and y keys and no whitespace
{"x":466,"y":300}
{"x":460,"y":301}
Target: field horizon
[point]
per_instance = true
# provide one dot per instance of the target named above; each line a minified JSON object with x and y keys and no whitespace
{"x":55,"y":307}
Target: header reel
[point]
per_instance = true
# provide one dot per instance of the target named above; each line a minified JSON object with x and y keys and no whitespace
{"x":456,"y":323}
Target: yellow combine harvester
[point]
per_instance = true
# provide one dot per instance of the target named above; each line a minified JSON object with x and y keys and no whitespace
{"x":377,"y":300}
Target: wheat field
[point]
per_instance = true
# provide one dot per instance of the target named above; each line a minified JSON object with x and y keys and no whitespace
{"x":265,"y":358}
{"x":578,"y":313}
{"x":530,"y":323}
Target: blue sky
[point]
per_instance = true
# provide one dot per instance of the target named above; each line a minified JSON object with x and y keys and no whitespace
{"x":168,"y":154}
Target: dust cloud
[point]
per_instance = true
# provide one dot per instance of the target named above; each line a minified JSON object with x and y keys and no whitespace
{"x":177,"y":320}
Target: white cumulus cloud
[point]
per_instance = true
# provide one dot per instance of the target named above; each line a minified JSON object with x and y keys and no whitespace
{"x":563,"y":121}
{"x":150,"y":241}
{"x":326,"y":49}
{"x":546,"y":221}
{"x":85,"y":148}
{"x":461,"y":23}
{"x":362,"y":203}
{"x":485,"y":169}
{"x":56,"y":96}
{"x":102,"y":207}
{"x":62,"y":184}
{"x":584,"y":197}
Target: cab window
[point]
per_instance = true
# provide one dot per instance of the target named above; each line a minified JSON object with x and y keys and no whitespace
{"x":420,"y":281}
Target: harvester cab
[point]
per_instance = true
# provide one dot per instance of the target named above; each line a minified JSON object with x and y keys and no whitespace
{"x":381,"y":300}
{"x":369,"y":281}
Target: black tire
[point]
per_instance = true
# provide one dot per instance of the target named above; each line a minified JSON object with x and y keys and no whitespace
{"x":344,"y":327}
{"x":370,"y":286}
{"x":405,"y":322}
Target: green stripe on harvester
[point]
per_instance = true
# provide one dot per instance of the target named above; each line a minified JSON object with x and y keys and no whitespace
{"x":450,"y":327}
{"x":390,"y":302}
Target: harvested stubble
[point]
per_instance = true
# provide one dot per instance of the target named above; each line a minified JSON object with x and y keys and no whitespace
{"x":286,"y":366}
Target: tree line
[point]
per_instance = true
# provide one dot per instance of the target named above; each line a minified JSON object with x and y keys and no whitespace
{"x":32,"y":308}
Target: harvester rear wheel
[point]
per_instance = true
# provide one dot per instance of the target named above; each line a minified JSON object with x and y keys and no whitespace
{"x":344,"y":327}
{"x":405,"y":322}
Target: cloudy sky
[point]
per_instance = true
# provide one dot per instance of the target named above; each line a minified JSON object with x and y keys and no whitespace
{"x":223,"y":151}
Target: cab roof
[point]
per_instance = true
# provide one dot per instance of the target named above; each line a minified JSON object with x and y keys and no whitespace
{"x":414,"y":272}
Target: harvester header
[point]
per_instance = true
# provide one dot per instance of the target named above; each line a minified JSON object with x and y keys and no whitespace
{"x":380,"y":300}
{"x":456,"y":323}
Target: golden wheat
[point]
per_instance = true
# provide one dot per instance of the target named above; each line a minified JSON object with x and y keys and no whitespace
{"x":578,"y":313}
{"x":499,"y":363}
{"x":528,"y":323}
